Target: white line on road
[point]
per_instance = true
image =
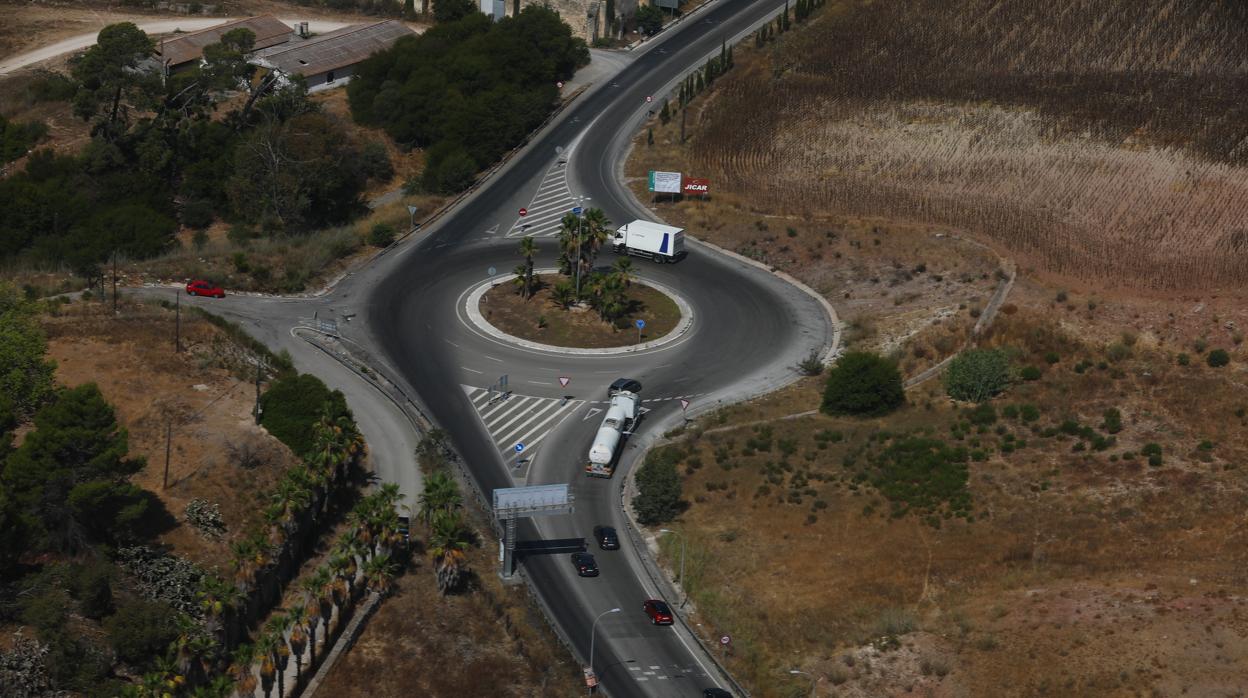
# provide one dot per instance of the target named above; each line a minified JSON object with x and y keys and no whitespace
{"x":451,"y":343}
{"x":491,"y":358}
{"x":471,"y":369}
{"x":539,"y":382}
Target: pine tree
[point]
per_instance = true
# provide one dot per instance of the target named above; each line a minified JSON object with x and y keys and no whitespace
{"x":650,"y":136}
{"x":785,"y":16}
{"x":665,"y":115}
{"x":730,"y":63}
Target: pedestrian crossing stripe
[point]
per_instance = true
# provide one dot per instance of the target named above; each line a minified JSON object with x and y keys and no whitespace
{"x":518,"y":418}
{"x":550,"y":203}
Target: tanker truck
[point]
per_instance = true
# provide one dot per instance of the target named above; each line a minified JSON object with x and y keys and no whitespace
{"x":619,"y":421}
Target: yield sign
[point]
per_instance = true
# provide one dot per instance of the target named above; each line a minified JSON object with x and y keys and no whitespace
{"x":684,"y":404}
{"x":563,"y":381}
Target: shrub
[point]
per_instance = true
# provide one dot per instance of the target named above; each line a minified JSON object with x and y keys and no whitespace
{"x":1117,"y":351}
{"x":1218,"y":358}
{"x":982,"y":414}
{"x":1113,"y":421}
{"x":205,"y":517}
{"x":140,"y":631}
{"x":1029,"y":413}
{"x":375,"y":162}
{"x":449,"y":169}
{"x":1183,"y":359}
{"x":381,"y":235}
{"x":1010,"y":412}
{"x":977,"y":375}
{"x":1030,"y":373}
{"x":812,"y":365}
{"x":1052,"y":357}
{"x":293,"y":404}
{"x":658,"y":487}
{"x":863,"y":384}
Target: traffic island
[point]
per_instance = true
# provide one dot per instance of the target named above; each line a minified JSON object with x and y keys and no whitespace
{"x":643,"y":313}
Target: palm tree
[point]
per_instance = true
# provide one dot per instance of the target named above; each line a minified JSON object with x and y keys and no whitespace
{"x":528,"y":248}
{"x":441,"y":495}
{"x":217,"y":598}
{"x":249,"y":558}
{"x":276,"y":628}
{"x":313,"y":612}
{"x":563,"y":295}
{"x":268,"y":671}
{"x":379,"y":574}
{"x":596,"y":232}
{"x":447,"y":547}
{"x":297,"y":639}
{"x":241,"y":669}
{"x":569,"y":245}
{"x":521,"y":280}
{"x":624,"y":271}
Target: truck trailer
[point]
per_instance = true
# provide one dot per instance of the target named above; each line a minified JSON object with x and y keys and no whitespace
{"x":619,"y":421}
{"x":662,"y":243}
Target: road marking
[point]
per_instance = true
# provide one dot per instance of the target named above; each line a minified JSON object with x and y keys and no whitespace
{"x":451,"y":343}
{"x":592,"y":411}
{"x":539,"y":382}
{"x":471,"y":369}
{"x":491,"y":358}
{"x":520,"y":418}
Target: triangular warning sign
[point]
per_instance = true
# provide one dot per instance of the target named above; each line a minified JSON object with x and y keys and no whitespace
{"x":564,"y":380}
{"x":684,"y":404}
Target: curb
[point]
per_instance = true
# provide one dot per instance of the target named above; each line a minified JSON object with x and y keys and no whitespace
{"x":473,"y":308}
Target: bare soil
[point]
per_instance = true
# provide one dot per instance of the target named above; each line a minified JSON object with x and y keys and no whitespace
{"x":199,"y":392}
{"x":510,"y":312}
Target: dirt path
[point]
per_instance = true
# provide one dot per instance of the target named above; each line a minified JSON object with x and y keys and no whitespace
{"x":81,"y":41}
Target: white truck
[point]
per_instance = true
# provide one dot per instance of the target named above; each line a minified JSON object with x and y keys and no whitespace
{"x":621,"y":417}
{"x":662,"y":243}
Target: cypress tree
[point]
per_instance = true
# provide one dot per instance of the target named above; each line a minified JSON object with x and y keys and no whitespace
{"x":665,"y":115}
{"x":730,"y":57}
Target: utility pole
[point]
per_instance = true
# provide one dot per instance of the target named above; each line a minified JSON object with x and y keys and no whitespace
{"x":177,"y":323}
{"x":114,"y":282}
{"x":256,"y":411}
{"x":579,"y":217}
{"x":168,"y":444}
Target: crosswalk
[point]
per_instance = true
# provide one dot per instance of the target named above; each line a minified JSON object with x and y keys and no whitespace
{"x":552,"y":200}
{"x":660,"y":672}
{"x":518,"y":419}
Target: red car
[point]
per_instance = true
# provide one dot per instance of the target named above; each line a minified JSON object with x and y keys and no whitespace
{"x":658,"y":611}
{"x":200,"y":287}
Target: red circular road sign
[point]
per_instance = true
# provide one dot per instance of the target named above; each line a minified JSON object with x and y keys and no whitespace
{"x":559,"y":85}
{"x":524,"y":212}
{"x":725,"y":640}
{"x":649,"y":98}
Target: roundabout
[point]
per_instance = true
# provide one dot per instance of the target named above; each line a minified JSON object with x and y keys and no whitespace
{"x":521,"y":412}
{"x":477,"y":306}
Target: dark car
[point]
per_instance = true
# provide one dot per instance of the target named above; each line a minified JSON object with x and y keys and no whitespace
{"x":715,"y":693}
{"x":607,"y":540}
{"x":584,"y":564}
{"x":199,"y":287}
{"x":405,"y":528}
{"x":658,"y":611}
{"x":622,"y":384}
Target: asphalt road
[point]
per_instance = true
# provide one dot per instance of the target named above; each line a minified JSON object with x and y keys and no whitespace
{"x":749,"y":330}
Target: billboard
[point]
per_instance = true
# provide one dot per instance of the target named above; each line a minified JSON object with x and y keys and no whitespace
{"x":531,"y":499}
{"x":667,"y":4}
{"x":665,"y":182}
{"x":696,"y":186}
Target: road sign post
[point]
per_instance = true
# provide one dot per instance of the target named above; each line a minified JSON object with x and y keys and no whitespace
{"x":640,"y":325}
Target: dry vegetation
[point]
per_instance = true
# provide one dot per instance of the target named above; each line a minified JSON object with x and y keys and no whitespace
{"x":1079,"y":572}
{"x":217,"y":454}
{"x":489,"y":642}
{"x":1101,"y":141}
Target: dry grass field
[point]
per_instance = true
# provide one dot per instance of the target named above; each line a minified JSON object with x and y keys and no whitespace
{"x":1076,"y":571}
{"x":206,"y":392}
{"x":1105,"y":142}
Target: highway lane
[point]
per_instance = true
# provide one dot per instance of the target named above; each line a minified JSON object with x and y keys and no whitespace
{"x":749,"y":330}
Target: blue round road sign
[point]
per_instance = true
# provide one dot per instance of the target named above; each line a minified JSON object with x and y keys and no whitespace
{"x":641,"y":324}
{"x":576,"y":210}
{"x":519,"y":447}
{"x":491,"y":271}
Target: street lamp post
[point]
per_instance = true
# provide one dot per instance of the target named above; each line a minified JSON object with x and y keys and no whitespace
{"x":580,"y":205}
{"x":814,"y":681}
{"x":592,"y":637}
{"x":684,"y":589}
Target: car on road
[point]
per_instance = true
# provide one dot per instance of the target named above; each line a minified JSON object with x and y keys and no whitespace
{"x":606,"y":537}
{"x":584,"y":564}
{"x":659,"y":612}
{"x":199,"y":287}
{"x":623,"y":384}
{"x":715,"y":692}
